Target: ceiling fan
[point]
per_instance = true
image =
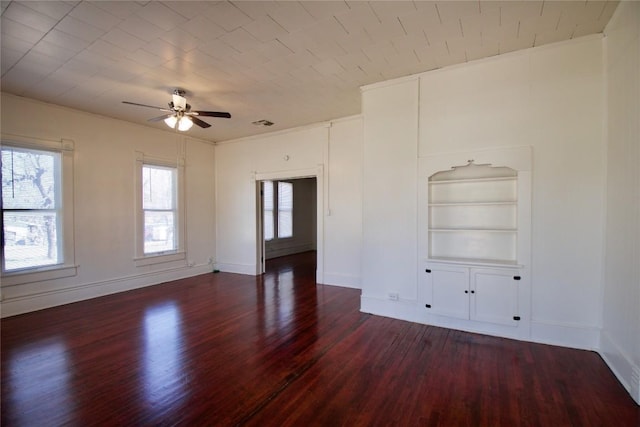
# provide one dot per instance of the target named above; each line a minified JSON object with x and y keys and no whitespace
{"x":179,"y":115}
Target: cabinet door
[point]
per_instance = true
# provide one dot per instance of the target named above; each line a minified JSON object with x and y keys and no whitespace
{"x":494,"y":296}
{"x":448,"y":291}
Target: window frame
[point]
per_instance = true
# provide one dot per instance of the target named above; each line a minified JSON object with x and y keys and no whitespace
{"x":142,"y":259}
{"x":67,"y":266}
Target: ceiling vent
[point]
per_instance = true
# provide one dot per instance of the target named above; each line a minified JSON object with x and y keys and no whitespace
{"x":262,"y":122}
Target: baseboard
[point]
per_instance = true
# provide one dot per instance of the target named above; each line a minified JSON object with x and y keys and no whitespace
{"x":565,"y":335}
{"x":289,"y":250}
{"x":343,"y":280}
{"x":621,"y":365}
{"x":400,"y":309}
{"x":249,"y":269}
{"x":38,"y":301}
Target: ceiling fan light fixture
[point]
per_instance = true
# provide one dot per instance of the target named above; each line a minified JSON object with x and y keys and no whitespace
{"x":171,"y":121}
{"x":185,"y":124}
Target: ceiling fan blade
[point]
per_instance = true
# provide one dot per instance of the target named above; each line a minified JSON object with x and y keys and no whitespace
{"x":199,"y":122}
{"x":224,"y":115}
{"x":159,"y":118}
{"x":144,"y":105}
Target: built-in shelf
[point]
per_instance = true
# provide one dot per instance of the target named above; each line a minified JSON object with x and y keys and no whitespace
{"x":474,"y":239}
{"x":487,"y":230}
{"x":473,"y":213}
{"x":473,"y":180}
{"x":509,"y":203}
{"x":475,"y":262}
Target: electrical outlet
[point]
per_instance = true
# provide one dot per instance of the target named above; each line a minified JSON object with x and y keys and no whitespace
{"x":393,"y":296}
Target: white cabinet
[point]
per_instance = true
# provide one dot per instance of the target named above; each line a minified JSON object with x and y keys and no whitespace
{"x":475,"y":240}
{"x":472,"y":293}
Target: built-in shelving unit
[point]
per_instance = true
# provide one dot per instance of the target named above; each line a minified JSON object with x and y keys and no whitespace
{"x":473,"y":215}
{"x":475,"y":237}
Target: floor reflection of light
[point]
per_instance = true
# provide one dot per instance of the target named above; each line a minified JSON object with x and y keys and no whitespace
{"x":278,"y":302}
{"x":39,"y":377}
{"x":163,"y":364}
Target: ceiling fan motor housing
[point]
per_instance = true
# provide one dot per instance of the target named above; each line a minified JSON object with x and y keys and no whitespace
{"x":179,"y":101}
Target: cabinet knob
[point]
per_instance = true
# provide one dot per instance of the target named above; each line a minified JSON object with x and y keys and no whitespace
{"x":428,"y":305}
{"x":427,"y":271}
{"x":516,"y":318}
{"x":466,"y":292}
{"x":516,"y":277}
{"x":473,"y":292}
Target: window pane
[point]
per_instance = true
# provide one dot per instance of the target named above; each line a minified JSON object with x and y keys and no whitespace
{"x":159,"y":231}
{"x":267,"y":197}
{"x":158,"y":187}
{"x":30,"y":239}
{"x":285,"y":209}
{"x":268,"y":225}
{"x":285,"y":224}
{"x":285,"y":196}
{"x":29,"y":178}
{"x":267,"y":187}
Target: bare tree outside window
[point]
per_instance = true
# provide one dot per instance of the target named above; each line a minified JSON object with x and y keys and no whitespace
{"x":30,"y":208}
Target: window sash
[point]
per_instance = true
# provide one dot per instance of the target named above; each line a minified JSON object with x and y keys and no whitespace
{"x":159,"y":224}
{"x":31,"y":242}
{"x":285,"y":210}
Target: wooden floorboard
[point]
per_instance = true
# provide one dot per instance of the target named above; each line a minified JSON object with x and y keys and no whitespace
{"x":280,"y":350}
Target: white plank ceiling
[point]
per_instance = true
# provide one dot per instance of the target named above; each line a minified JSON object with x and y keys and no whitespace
{"x":293,"y":63}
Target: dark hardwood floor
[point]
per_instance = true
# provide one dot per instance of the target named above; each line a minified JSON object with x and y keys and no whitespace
{"x":279,"y":350}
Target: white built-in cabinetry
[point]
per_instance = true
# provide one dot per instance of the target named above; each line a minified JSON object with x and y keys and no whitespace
{"x":475,"y":215}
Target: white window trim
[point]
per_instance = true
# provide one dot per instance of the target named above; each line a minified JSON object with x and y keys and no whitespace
{"x":68,"y":268}
{"x":179,"y":254}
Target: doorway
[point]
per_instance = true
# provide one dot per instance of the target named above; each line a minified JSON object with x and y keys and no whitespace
{"x":289,"y":216}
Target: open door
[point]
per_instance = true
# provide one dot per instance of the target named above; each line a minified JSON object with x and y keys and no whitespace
{"x":261,"y":261}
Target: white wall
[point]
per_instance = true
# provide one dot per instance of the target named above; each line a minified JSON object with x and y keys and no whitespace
{"x":104,"y":170}
{"x":390,"y":205}
{"x":294,"y":153}
{"x":549,"y":98}
{"x":343,"y":207}
{"x":620,"y":339}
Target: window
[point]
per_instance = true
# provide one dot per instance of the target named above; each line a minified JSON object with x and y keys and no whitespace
{"x":159,"y":215}
{"x":159,"y":205}
{"x":268,"y":210}
{"x":31,"y":208}
{"x":37,"y":210}
{"x":285,"y":209}
{"x":278,"y":209}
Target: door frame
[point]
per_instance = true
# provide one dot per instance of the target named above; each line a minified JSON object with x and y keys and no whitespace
{"x":318,"y":174}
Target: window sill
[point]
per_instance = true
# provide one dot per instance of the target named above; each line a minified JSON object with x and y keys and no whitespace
{"x":159,"y":259}
{"x":38,"y":275}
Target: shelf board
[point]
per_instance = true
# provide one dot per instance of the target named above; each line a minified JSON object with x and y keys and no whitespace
{"x":474,"y":180}
{"x":475,"y":261}
{"x":472,"y":204}
{"x":491,"y":230}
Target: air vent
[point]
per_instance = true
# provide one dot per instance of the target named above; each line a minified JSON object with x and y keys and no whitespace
{"x":262,"y":123}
